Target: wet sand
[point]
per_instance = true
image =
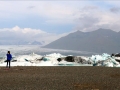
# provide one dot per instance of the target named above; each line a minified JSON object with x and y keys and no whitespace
{"x":60,"y":78}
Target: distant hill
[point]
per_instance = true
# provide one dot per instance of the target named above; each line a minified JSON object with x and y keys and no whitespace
{"x":99,"y":41}
{"x":22,"y":42}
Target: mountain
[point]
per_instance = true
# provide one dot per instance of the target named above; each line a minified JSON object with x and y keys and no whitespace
{"x":98,"y":41}
{"x":35,"y":43}
{"x":22,"y":42}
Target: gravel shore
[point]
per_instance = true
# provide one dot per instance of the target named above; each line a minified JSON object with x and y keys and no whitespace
{"x":60,"y":78}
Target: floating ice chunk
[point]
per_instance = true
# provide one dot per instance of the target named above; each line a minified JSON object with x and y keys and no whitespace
{"x":104,"y":60}
{"x":109,"y":64}
{"x":55,"y":55}
{"x":31,"y":57}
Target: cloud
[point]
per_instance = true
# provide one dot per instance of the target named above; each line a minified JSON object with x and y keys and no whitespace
{"x":57,"y":11}
{"x":115,"y":9}
{"x":17,"y":34}
{"x":31,"y":7}
{"x":86,"y":22}
{"x":90,"y":19}
{"x":85,"y":15}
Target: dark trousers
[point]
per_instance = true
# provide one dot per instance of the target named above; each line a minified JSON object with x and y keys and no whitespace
{"x":8,"y":63}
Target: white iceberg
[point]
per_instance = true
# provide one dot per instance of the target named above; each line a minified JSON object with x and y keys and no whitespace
{"x":51,"y":60}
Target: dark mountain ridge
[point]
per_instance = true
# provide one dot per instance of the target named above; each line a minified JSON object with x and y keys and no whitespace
{"x":99,"y":41}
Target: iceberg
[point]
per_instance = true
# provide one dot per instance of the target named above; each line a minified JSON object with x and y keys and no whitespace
{"x":104,"y":60}
{"x":33,"y":59}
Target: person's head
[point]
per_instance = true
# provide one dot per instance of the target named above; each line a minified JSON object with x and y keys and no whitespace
{"x":8,"y":52}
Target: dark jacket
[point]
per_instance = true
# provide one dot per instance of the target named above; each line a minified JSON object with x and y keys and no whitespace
{"x":9,"y":56}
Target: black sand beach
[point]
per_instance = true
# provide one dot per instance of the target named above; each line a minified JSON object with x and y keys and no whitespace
{"x":60,"y":78}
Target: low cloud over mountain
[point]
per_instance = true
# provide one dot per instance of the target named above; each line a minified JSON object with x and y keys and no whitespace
{"x":25,"y":36}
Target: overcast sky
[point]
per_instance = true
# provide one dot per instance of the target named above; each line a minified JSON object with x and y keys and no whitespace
{"x":56,"y":17}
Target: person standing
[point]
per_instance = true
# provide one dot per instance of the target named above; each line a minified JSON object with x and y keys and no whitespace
{"x":9,"y":57}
